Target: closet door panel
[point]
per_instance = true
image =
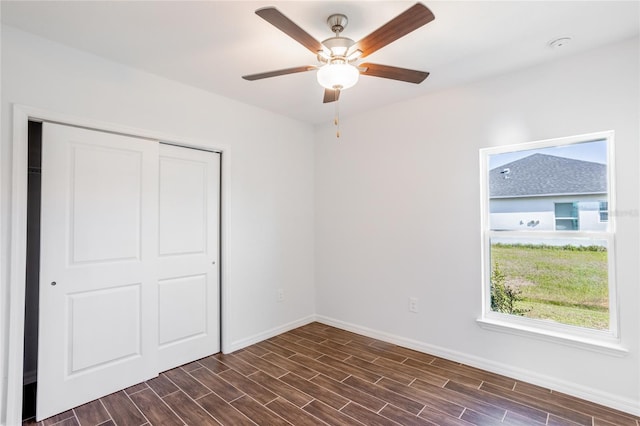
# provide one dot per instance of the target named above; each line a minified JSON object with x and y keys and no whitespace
{"x":98,"y":266}
{"x":188,"y":287}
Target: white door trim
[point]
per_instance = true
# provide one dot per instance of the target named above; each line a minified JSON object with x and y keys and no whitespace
{"x":18,"y":232}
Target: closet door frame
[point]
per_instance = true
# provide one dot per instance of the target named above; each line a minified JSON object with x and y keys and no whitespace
{"x":18,"y":238}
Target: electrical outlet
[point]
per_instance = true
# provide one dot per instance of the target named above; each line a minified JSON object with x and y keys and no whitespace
{"x":413,"y":305}
{"x":280,"y":295}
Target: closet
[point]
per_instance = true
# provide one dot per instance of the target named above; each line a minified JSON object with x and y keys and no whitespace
{"x":129,"y":254}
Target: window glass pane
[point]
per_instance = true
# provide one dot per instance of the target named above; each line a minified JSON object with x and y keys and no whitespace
{"x":558,"y":188}
{"x":604,"y":211}
{"x":566,"y":216}
{"x":562,"y":280}
{"x":566,"y":210}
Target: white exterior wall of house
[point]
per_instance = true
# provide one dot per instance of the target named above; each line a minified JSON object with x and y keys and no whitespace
{"x":538,"y":213}
{"x":589,"y":217}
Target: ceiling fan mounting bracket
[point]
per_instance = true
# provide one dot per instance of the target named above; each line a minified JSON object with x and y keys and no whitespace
{"x":337,"y":22}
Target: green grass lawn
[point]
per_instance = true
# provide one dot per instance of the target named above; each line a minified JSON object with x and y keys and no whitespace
{"x":564,"y":285}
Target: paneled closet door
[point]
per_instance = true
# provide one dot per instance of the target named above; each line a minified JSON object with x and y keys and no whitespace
{"x":98,"y":288}
{"x":188,"y":286}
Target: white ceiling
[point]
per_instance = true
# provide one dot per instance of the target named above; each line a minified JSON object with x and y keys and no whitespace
{"x":211,"y":44}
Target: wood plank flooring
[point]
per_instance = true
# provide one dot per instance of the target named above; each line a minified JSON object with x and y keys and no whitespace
{"x":317,"y":375}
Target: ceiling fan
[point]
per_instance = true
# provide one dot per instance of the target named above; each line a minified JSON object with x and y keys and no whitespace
{"x":338,"y":56}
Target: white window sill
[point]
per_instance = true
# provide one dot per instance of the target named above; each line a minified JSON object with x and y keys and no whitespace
{"x":606,"y":346}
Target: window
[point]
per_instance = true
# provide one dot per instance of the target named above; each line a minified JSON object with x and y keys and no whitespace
{"x":604,"y":211}
{"x":566,"y":216}
{"x":548,"y":237}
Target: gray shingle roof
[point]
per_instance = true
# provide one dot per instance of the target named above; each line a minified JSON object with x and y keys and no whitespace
{"x":541,"y":174}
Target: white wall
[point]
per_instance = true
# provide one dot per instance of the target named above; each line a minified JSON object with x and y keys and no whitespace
{"x":270,"y":191}
{"x":398,"y":216}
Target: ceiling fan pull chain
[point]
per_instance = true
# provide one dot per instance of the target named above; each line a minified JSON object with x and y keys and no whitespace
{"x":336,"y":119}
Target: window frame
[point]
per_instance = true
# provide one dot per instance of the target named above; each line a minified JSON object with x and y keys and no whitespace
{"x":601,"y":340}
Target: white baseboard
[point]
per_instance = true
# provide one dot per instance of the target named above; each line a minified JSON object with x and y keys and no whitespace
{"x":248,"y":341}
{"x":589,"y":394}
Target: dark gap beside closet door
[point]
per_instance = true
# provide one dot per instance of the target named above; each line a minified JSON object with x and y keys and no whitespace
{"x":30,"y":357}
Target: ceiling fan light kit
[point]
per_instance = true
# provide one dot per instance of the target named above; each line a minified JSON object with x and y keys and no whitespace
{"x":338,"y":73}
{"x":338,"y":76}
{"x":338,"y":56}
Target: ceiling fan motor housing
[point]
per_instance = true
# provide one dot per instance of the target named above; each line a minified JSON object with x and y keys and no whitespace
{"x":339,"y":47}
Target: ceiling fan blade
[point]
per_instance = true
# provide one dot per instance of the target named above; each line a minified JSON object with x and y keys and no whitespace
{"x":411,"y":19}
{"x":331,"y":95}
{"x":287,"y":26}
{"x":276,"y":73}
{"x":395,"y":73}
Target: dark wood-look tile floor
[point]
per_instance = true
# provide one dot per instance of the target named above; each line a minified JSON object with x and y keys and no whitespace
{"x":317,"y":375}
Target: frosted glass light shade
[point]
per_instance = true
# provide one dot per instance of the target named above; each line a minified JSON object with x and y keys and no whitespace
{"x":338,"y":76}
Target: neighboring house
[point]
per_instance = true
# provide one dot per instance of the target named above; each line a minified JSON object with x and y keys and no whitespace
{"x":545,"y":192}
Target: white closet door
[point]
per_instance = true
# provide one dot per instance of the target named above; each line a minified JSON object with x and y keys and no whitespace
{"x":98,"y":266}
{"x":188,"y":288}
